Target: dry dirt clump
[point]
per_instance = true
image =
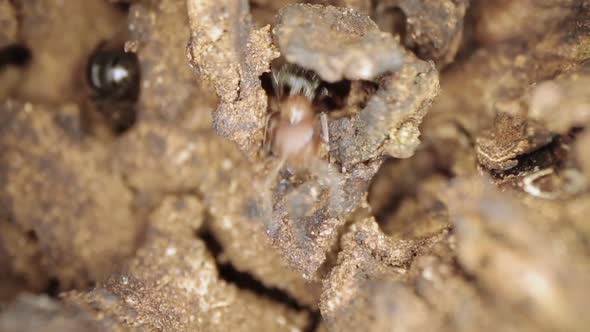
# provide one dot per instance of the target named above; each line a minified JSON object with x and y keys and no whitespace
{"x":47,"y":162}
{"x":433,"y":29}
{"x":450,"y":191}
{"x":335,"y":43}
{"x":8,"y":23}
{"x":172,"y":284}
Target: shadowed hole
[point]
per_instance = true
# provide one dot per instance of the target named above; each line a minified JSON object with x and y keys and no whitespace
{"x":245,"y":280}
{"x":15,"y":55}
{"x":53,"y":287}
{"x":397,"y":196}
{"x":248,"y":282}
{"x":330,"y":96}
{"x":391,"y":19}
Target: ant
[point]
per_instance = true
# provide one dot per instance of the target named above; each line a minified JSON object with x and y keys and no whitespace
{"x":295,"y":133}
{"x":296,"y":130}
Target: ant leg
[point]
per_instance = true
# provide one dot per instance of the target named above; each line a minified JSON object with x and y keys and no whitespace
{"x":267,"y":193}
{"x":329,"y":178}
{"x":266,"y":146}
{"x":325,"y":132}
{"x":275,"y":172}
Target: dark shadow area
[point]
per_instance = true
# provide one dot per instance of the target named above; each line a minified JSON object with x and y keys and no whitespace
{"x":244,"y":280}
{"x":15,"y":55}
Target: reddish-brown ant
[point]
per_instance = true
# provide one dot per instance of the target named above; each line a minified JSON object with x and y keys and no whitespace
{"x":295,"y":133}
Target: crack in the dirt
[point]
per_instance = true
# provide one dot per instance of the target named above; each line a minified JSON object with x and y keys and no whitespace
{"x":246,"y":281}
{"x":15,"y":55}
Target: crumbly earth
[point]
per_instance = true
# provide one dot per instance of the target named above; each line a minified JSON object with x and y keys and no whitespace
{"x":172,"y":284}
{"x":47,"y":161}
{"x":355,"y":49}
{"x":453,"y":193}
{"x":8,"y":23}
{"x":433,"y":29}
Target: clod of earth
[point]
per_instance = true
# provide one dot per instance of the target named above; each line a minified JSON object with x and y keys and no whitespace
{"x":452,"y":195}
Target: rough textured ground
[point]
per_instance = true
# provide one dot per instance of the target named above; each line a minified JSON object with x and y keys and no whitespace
{"x":453,"y":194}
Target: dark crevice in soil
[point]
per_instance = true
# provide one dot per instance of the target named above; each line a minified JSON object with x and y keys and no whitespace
{"x":32,"y":236}
{"x":267,"y":84}
{"x":15,"y":55}
{"x":53,"y":288}
{"x":330,"y":96}
{"x":314,"y":322}
{"x":552,"y":155}
{"x":469,"y":44}
{"x":123,"y":6}
{"x":245,"y":280}
{"x":391,"y":19}
{"x":333,"y":252}
{"x":407,"y":186}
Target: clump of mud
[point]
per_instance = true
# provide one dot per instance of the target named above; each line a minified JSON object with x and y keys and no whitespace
{"x":449,"y":192}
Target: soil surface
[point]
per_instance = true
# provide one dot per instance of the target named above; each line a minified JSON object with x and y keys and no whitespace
{"x":448,"y":187}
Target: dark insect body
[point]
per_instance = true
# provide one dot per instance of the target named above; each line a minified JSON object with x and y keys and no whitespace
{"x":113,"y":76}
